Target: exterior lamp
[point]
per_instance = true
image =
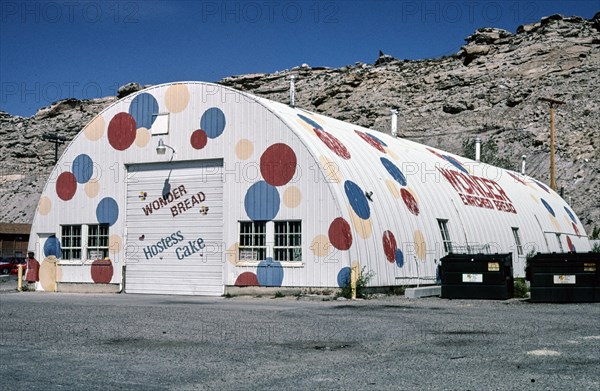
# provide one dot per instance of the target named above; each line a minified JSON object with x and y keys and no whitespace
{"x":161,"y":148}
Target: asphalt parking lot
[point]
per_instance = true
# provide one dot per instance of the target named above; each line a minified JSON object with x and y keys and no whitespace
{"x":79,"y":341}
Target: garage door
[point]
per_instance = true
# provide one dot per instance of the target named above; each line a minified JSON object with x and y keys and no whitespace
{"x":175,"y":228}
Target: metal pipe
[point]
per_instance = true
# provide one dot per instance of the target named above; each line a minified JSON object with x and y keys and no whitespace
{"x":477,"y":149}
{"x":523,"y":162}
{"x":394,"y":122}
{"x":292,"y":92}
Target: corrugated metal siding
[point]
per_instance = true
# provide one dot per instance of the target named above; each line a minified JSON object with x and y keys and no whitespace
{"x":239,"y":136}
{"x":170,"y":246}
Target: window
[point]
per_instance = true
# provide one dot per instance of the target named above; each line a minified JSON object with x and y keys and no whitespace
{"x":559,"y":243}
{"x":515,"y":232}
{"x":71,"y":241}
{"x":253,"y":240}
{"x":288,"y":241}
{"x":443,"y":224}
{"x":97,"y":244}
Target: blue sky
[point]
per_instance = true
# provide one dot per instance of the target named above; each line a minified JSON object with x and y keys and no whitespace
{"x":51,"y":50}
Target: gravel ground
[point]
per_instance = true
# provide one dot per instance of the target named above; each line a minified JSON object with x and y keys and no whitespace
{"x":76,"y":341}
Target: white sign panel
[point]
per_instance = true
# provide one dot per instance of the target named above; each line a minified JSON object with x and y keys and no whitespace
{"x":478,"y":278}
{"x":564,"y":279}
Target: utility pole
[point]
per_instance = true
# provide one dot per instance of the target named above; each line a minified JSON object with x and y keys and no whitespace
{"x":57,"y":140}
{"x":552,"y":103}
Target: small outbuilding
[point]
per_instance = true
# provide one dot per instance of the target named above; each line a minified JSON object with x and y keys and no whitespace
{"x":190,"y":188}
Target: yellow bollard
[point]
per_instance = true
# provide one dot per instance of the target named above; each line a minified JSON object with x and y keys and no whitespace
{"x":353,"y":278}
{"x":20,"y":278}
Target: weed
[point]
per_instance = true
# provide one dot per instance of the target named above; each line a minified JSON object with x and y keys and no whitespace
{"x":279,"y":294}
{"x":361,"y":285}
{"x":521,"y":289}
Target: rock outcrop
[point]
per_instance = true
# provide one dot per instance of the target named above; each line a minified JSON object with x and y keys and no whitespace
{"x":490,"y":88}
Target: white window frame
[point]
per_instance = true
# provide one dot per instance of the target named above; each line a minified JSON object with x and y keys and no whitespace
{"x":296,"y":248}
{"x":560,"y":246}
{"x":518,"y":243}
{"x":445,"y":233}
{"x":100,"y":246}
{"x":269,"y":244}
{"x":84,"y":248}
{"x":64,"y":248}
{"x":255,"y":246}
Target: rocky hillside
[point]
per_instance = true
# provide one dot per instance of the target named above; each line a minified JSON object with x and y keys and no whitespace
{"x":490,"y":88}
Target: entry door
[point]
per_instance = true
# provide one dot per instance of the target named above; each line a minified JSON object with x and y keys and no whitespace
{"x":175,"y":228}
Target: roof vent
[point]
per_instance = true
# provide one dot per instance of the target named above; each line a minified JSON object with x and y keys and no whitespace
{"x":478,"y":149}
{"x":523,"y":164}
{"x":394,"y":122}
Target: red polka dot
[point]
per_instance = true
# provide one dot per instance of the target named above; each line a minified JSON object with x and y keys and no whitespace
{"x":246,"y":279}
{"x":333,"y":143}
{"x":66,"y":185}
{"x":278,"y":164}
{"x":570,"y":244}
{"x":410,"y":201}
{"x":198,"y":139}
{"x":102,"y":271}
{"x":575,"y":229}
{"x":374,"y":143}
{"x":436,"y":153}
{"x":340,"y":235}
{"x":389,"y":246}
{"x":121,"y":131}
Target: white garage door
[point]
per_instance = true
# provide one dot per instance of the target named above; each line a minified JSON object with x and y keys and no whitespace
{"x":175,"y":228}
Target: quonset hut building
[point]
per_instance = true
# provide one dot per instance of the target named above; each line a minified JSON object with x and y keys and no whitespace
{"x":194,"y":187}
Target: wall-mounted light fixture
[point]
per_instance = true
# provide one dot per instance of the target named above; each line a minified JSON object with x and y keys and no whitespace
{"x":161,"y":148}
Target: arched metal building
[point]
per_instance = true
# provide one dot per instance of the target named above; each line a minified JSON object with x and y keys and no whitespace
{"x":247,"y":191}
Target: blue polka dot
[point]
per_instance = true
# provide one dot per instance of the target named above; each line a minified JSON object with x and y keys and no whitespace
{"x":107,"y":211}
{"x":394,"y":171}
{"x":310,"y":122}
{"x":213,"y":122}
{"x":142,"y":109}
{"x":52,"y":247}
{"x":82,"y":168}
{"x":358,"y":200}
{"x":547,"y":205}
{"x":343,"y":277}
{"x":540,"y":184}
{"x":376,"y":139}
{"x":399,"y":258}
{"x":455,"y":163}
{"x":262,"y":201}
{"x":269,"y":273}
{"x":571,"y":215}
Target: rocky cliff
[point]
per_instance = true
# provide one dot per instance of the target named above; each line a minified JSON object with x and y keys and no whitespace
{"x":490,"y":88}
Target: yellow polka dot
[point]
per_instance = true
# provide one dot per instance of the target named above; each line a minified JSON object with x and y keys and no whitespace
{"x":142,"y":137}
{"x":420,"y":245}
{"x":244,"y":149}
{"x":95,"y":129}
{"x":320,"y":246}
{"x":555,"y":223}
{"x":115,"y":244}
{"x":233,"y":253}
{"x":363,"y":228}
{"x":44,"y":205}
{"x":50,"y":273}
{"x":292,"y":197}
{"x":534,"y":198}
{"x":393,"y":188}
{"x":331,"y":170}
{"x":391,"y":153}
{"x":92,"y":188}
{"x":177,"y":98}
